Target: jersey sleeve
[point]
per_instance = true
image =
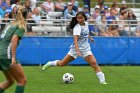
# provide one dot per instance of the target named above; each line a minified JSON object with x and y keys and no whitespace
{"x":19,"y":32}
{"x":76,"y":30}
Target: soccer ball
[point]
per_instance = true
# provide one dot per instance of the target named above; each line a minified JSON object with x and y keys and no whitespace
{"x":68,"y":78}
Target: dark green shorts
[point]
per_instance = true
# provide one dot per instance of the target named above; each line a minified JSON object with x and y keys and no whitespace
{"x":5,"y":64}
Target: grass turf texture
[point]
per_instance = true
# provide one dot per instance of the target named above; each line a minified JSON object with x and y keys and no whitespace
{"x":120,"y":79}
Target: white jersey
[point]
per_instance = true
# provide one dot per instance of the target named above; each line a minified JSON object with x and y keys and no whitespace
{"x":83,"y":33}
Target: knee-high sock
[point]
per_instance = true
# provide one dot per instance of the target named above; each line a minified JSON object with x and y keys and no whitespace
{"x":53,"y":63}
{"x":101,"y":76}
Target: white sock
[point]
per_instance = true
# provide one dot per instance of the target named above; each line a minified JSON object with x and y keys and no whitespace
{"x":101,"y":76}
{"x":53,"y":63}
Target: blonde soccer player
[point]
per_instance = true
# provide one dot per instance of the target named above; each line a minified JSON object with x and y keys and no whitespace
{"x":9,"y":65}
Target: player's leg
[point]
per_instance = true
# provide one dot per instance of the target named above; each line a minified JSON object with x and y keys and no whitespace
{"x":6,"y":84}
{"x":92,"y":61}
{"x":18,"y":74}
{"x":68,"y":58}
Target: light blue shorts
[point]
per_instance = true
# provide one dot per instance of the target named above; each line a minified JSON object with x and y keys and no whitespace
{"x":73,"y":53}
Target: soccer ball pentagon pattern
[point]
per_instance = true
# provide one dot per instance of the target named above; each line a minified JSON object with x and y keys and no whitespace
{"x":68,"y":78}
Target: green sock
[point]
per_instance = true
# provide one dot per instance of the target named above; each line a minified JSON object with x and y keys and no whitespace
{"x":1,"y":90}
{"x":19,"y":89}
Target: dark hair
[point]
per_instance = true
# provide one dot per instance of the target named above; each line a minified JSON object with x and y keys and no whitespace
{"x":103,"y":16}
{"x":133,"y":15}
{"x":24,"y":13}
{"x":74,"y":19}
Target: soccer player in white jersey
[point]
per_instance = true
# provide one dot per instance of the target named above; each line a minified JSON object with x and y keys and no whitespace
{"x":80,"y":47}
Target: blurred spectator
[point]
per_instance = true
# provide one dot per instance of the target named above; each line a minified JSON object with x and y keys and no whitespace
{"x":75,"y":5}
{"x":91,"y":27}
{"x":137,"y":31}
{"x":101,"y":6}
{"x":125,"y":16}
{"x":33,"y":4}
{"x":96,"y":13}
{"x":2,"y":11}
{"x":100,"y":2}
{"x":113,"y":28}
{"x":28,"y":6}
{"x":8,"y":6}
{"x":103,"y":28}
{"x":99,"y":17}
{"x":132,"y":19}
{"x":86,"y":10}
{"x":69,"y":12}
{"x":36,"y":16}
{"x":1,"y":3}
{"x":59,"y":6}
{"x":115,"y":5}
{"x":112,"y":16}
{"x":87,"y":2}
{"x":13,"y":14}
{"x":124,"y":7}
{"x":5,"y":20}
{"x":48,"y":6}
{"x":31,"y":22}
{"x":123,"y":26}
{"x":115,"y":8}
{"x":17,"y":2}
{"x":106,"y":11}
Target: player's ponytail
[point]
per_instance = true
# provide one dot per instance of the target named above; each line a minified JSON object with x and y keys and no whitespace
{"x":73,"y":22}
{"x":20,"y":19}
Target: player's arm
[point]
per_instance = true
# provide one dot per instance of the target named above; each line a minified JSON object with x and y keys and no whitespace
{"x":76,"y":42}
{"x":91,"y":39}
{"x":76,"y":34}
{"x":76,"y":45}
{"x":14,"y":43}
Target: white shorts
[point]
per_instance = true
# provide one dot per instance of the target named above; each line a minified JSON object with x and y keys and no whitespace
{"x":73,"y":53}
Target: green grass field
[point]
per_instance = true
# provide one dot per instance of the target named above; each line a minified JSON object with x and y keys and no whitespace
{"x":121,"y":79}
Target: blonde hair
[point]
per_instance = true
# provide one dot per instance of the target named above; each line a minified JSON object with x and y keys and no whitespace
{"x":20,"y":21}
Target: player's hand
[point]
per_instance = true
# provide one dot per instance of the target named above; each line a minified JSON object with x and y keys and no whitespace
{"x":91,"y":39}
{"x":13,"y":62}
{"x":79,"y":53}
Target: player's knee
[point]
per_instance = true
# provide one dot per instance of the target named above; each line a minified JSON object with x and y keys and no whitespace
{"x":61,"y":64}
{"x":94,"y":64}
{"x":22,"y":82}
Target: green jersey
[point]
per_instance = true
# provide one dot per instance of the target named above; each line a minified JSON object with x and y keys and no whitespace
{"x":5,"y":39}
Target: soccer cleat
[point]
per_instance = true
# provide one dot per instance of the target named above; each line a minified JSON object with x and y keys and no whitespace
{"x":103,"y":83}
{"x":46,"y":66}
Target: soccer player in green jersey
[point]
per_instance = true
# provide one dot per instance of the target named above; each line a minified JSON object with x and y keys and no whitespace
{"x":9,"y":65}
